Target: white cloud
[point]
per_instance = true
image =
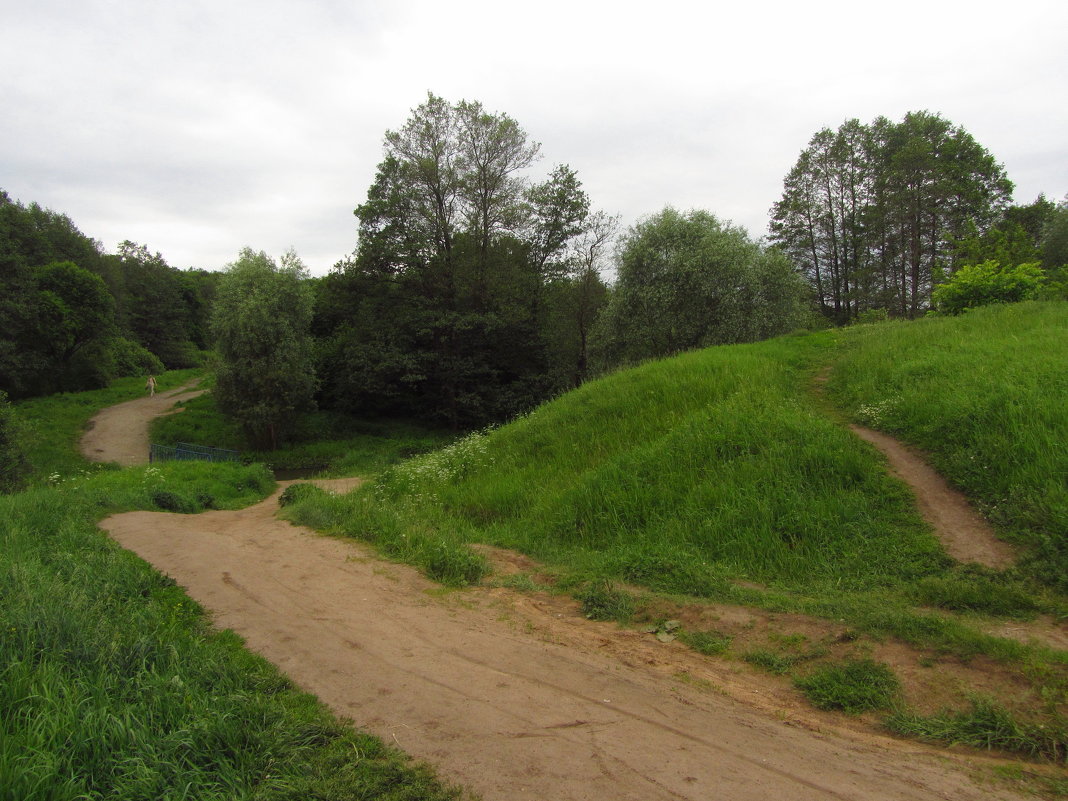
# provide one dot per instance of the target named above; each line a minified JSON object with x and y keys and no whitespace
{"x":201,"y":127}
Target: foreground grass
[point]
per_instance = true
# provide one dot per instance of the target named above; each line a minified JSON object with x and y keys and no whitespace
{"x":718,"y":475}
{"x":112,"y":683}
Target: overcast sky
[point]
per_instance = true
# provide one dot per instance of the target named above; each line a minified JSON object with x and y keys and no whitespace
{"x":198,"y":127}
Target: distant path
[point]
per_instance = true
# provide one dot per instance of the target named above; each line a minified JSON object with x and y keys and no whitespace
{"x":516,"y":695}
{"x":120,"y":433}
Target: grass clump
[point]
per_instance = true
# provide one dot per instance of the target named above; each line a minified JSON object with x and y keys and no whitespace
{"x":601,"y":600}
{"x":709,"y":643}
{"x":973,"y":588}
{"x":854,"y":686}
{"x":774,"y":662}
{"x":987,"y":725}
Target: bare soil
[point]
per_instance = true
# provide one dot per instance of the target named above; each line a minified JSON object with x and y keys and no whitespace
{"x":965,"y":535}
{"x":120,"y":433}
{"x":515,"y":694}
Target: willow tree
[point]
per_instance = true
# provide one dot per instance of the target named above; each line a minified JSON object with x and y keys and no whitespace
{"x":266,"y":373}
{"x":688,"y":280}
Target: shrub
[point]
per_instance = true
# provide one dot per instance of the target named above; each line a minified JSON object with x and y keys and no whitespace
{"x":131,"y":358}
{"x":172,"y":502}
{"x":295,"y":493}
{"x":986,"y":283}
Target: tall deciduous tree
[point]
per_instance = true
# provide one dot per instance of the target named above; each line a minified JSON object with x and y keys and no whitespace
{"x":262,"y":317}
{"x":871,"y":213}
{"x":447,"y":290}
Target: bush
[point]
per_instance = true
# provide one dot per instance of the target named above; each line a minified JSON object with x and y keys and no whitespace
{"x":172,"y":502}
{"x":295,"y":493}
{"x":131,"y":358}
{"x":986,"y":283}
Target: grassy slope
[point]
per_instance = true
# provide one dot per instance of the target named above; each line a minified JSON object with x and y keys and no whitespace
{"x":704,"y":473}
{"x":112,"y":683}
{"x":986,"y":395}
{"x":721,"y":464}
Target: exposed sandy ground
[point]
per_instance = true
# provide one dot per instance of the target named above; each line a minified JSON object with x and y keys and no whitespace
{"x":511,"y":695}
{"x":120,"y":433}
{"x":515,"y":695}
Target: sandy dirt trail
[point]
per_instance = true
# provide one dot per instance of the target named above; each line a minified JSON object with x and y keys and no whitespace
{"x":516,"y":695}
{"x":505,"y":695}
{"x":120,"y":433}
{"x":965,"y":535}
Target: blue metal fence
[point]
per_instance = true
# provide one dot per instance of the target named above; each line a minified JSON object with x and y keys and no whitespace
{"x":184,"y":451}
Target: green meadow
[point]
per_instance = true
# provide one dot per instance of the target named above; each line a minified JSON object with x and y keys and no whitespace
{"x":721,"y":476}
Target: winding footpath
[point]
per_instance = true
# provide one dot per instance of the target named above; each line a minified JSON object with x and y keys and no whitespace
{"x":513,"y":695}
{"x":120,"y":433}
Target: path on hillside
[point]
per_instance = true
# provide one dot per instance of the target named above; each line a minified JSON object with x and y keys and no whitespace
{"x":120,"y":433}
{"x":965,"y":535}
{"x":513,"y":695}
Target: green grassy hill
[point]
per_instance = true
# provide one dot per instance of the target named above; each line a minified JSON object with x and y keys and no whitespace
{"x":724,"y":464}
{"x":726,"y":476}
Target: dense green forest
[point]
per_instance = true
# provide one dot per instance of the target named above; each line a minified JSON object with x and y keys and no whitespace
{"x":74,"y":317}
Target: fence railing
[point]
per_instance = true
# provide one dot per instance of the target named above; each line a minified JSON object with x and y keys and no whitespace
{"x":184,"y":451}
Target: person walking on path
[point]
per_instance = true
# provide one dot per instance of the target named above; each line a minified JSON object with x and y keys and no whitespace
{"x":150,"y":385}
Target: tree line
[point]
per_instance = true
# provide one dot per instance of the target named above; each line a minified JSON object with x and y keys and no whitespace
{"x":476,"y":292}
{"x":876,"y":216}
{"x":73,"y":317}
{"x":478,"y":289}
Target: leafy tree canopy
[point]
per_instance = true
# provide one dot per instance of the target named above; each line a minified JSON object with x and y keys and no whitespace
{"x":261,"y":321}
{"x":871,"y":213}
{"x":444,"y":311}
{"x":976,"y":285}
{"x":687,"y":280}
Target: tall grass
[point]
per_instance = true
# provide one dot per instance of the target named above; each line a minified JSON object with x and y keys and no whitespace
{"x":986,"y":395}
{"x":681,"y":475}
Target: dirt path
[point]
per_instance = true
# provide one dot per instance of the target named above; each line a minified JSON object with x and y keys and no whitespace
{"x":965,"y":535}
{"x":513,"y":695}
{"x":510,"y":694}
{"x":120,"y":433}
